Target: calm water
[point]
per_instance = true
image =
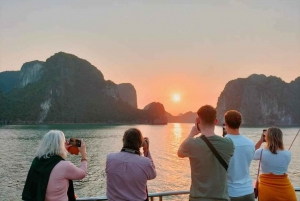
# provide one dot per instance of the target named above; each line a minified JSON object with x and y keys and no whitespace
{"x":18,"y":144}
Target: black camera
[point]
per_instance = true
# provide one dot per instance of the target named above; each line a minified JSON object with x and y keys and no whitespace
{"x":75,"y":142}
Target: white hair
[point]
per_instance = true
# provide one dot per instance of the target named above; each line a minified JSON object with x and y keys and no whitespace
{"x":53,"y":143}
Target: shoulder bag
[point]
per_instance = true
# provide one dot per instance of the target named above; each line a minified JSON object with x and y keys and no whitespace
{"x":215,"y":152}
{"x":256,"y":181}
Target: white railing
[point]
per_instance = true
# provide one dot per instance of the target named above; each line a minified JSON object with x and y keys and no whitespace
{"x":160,"y":195}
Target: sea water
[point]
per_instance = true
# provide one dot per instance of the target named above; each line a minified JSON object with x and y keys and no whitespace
{"x":19,"y":142}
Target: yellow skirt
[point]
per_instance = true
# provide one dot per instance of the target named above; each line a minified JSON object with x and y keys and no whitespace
{"x":275,"y":188}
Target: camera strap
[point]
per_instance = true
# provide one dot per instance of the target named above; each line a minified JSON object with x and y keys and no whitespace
{"x":215,"y":152}
{"x":131,"y":151}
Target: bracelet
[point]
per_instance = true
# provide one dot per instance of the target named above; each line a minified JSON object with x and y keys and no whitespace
{"x":83,"y":159}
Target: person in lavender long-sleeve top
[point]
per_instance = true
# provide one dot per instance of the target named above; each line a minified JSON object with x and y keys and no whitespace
{"x":50,"y":176}
{"x":127,"y":171}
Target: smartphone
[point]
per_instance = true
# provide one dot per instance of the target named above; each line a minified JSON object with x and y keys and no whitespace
{"x":264,"y":135}
{"x":197,"y":125}
{"x":75,"y":142}
{"x":224,"y":130}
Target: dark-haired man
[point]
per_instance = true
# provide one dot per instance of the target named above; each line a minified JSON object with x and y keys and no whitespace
{"x":240,"y":186}
{"x":208,"y":175}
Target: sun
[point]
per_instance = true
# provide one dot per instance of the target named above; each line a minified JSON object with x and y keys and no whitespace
{"x":176,"y":97}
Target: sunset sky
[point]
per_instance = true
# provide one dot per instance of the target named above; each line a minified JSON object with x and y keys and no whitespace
{"x":188,"y":48}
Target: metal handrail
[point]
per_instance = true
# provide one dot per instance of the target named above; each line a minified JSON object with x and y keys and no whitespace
{"x":151,"y":195}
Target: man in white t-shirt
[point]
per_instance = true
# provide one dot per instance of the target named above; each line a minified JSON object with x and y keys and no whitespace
{"x":239,"y":181}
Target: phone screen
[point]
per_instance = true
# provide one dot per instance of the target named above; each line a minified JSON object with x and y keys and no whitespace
{"x":75,"y":142}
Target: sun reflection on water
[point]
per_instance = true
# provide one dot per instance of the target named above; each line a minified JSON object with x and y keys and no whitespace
{"x":176,"y":137}
{"x":177,"y":130}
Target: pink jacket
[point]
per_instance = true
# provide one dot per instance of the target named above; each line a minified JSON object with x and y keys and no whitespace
{"x":58,"y":183}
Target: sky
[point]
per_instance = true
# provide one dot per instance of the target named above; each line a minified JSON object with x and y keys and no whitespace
{"x":163,"y":48}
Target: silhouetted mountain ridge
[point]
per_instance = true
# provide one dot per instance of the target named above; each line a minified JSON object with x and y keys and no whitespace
{"x":67,"y":89}
{"x":188,"y":117}
{"x":262,"y":100}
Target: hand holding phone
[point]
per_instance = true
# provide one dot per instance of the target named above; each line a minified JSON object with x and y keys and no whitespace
{"x":224,"y":130}
{"x":75,"y":142}
{"x":72,"y":146}
{"x":264,"y":135}
{"x":146,"y":146}
{"x":197,"y":125}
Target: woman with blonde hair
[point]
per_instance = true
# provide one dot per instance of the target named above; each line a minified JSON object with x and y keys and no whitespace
{"x":50,"y":176}
{"x":274,"y":184}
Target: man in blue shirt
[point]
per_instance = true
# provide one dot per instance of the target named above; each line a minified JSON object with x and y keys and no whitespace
{"x":239,"y":181}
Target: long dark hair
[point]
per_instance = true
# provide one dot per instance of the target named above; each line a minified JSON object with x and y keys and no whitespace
{"x":133,"y":139}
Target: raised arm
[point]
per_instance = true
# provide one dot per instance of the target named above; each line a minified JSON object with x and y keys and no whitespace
{"x":151,"y":172}
{"x":259,"y":142}
{"x":183,"y":148}
{"x":76,"y":173}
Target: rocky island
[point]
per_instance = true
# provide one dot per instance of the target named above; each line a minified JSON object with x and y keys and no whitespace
{"x":262,"y":100}
{"x":68,"y":89}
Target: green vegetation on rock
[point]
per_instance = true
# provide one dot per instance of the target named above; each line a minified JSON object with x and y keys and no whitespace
{"x":263,"y":101}
{"x":70,"y":90}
